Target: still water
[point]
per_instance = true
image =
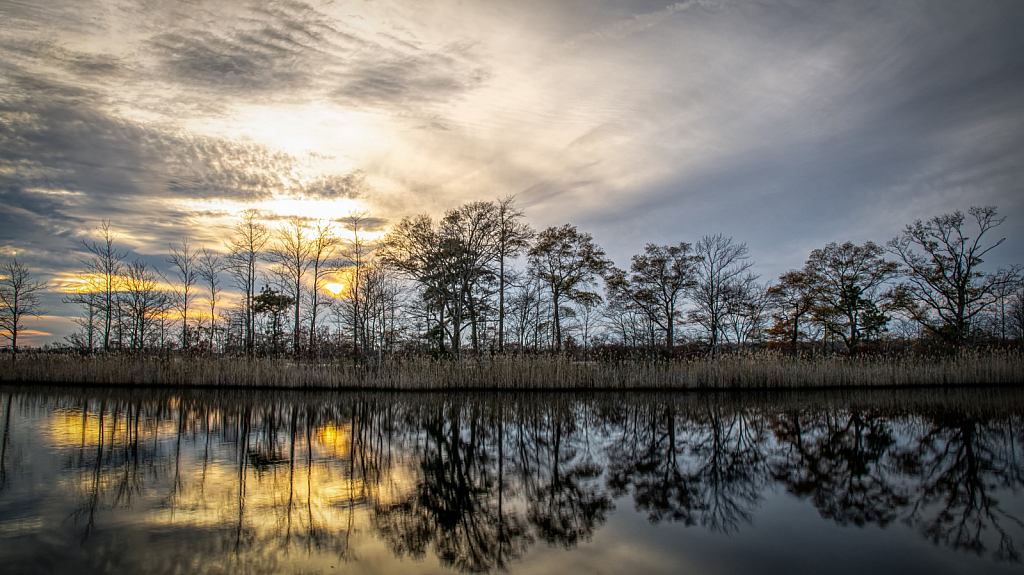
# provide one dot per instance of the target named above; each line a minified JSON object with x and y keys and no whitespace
{"x":114,"y":481}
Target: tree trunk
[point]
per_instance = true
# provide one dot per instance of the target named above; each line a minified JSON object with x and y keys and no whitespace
{"x":501,"y":304}
{"x":558,"y":324}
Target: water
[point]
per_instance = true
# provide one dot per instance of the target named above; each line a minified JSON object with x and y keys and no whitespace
{"x":114,"y":481}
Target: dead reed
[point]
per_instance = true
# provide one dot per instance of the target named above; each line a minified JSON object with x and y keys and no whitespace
{"x":764,"y":370}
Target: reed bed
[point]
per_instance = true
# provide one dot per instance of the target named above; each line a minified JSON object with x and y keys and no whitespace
{"x":756,"y":371}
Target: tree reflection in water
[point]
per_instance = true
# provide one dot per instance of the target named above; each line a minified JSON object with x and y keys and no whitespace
{"x":475,"y":481}
{"x":836,"y":459}
{"x":704,"y":466}
{"x":959,"y":460}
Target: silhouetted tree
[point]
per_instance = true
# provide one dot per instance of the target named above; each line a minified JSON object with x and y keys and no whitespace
{"x":848,"y":281}
{"x":245,"y":250}
{"x":746,"y":310}
{"x":208,"y":268}
{"x":659,"y":279}
{"x":144,"y":303}
{"x":1008,"y":283}
{"x":943,"y":276}
{"x":449,"y":259}
{"x":323,"y":262}
{"x":19,"y":299}
{"x":104,"y":267}
{"x":357,"y":251}
{"x":470,"y":234}
{"x":273,"y":304}
{"x":524,"y":309}
{"x":513,"y":237}
{"x":1016,"y":318}
{"x":794,"y":298}
{"x":721,"y":264}
{"x":567,"y":261}
{"x":291,"y":256}
{"x":186,"y":269}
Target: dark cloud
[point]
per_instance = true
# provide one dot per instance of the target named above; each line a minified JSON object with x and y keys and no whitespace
{"x":208,"y":168}
{"x":927,"y":117}
{"x":367,"y":224}
{"x":410,"y":79}
{"x":269,"y":48}
{"x":275,"y":49}
{"x":332,"y":187}
{"x":206,"y":60}
{"x":45,"y":54}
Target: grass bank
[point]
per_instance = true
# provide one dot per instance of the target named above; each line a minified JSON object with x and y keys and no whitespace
{"x":760,"y":371}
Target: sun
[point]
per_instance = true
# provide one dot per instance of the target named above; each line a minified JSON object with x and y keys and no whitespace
{"x":334,"y":288}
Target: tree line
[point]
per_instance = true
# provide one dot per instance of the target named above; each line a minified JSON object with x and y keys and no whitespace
{"x":480,"y":280}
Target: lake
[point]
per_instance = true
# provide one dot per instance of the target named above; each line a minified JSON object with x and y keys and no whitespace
{"x":108,"y":480}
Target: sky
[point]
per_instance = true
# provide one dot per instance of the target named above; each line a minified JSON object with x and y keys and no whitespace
{"x":785,"y":124}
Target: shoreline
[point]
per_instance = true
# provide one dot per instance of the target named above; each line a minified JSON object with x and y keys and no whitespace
{"x":504,"y":374}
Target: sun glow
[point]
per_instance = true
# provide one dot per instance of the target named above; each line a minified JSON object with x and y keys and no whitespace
{"x":341,"y":281}
{"x":96,"y":283}
{"x":281,"y":207}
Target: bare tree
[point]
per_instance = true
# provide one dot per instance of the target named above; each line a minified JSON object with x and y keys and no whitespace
{"x":747,"y":309}
{"x":944,"y":276}
{"x":19,"y":299}
{"x":144,"y":303}
{"x":183,"y":258}
{"x":323,"y":262}
{"x":292,"y":256}
{"x":208,"y":268}
{"x":1016,"y":317}
{"x":89,"y":295}
{"x":589,"y":314}
{"x":470,"y":237}
{"x":357,"y":252}
{"x":449,"y":258}
{"x":412,"y":248}
{"x":245,"y":250}
{"x":567,"y":261}
{"x":105,"y":267}
{"x":658,"y":280}
{"x":513,"y":237}
{"x":381,"y":295}
{"x":721,"y":264}
{"x":1008,"y":283}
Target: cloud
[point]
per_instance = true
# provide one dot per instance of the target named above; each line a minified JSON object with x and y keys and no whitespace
{"x":68,"y":160}
{"x":47,"y":54}
{"x":332,"y":187}
{"x":268,"y":49}
{"x":792,"y":124}
{"x":284,"y":50}
{"x":244,"y":62}
{"x":785,"y":123}
{"x":210,"y":168}
{"x":411,"y":79}
{"x":634,"y":25}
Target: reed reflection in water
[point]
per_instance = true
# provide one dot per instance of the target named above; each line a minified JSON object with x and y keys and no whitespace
{"x":148,"y":481}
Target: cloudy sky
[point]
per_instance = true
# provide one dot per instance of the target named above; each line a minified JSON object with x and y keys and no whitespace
{"x":786,"y":124}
